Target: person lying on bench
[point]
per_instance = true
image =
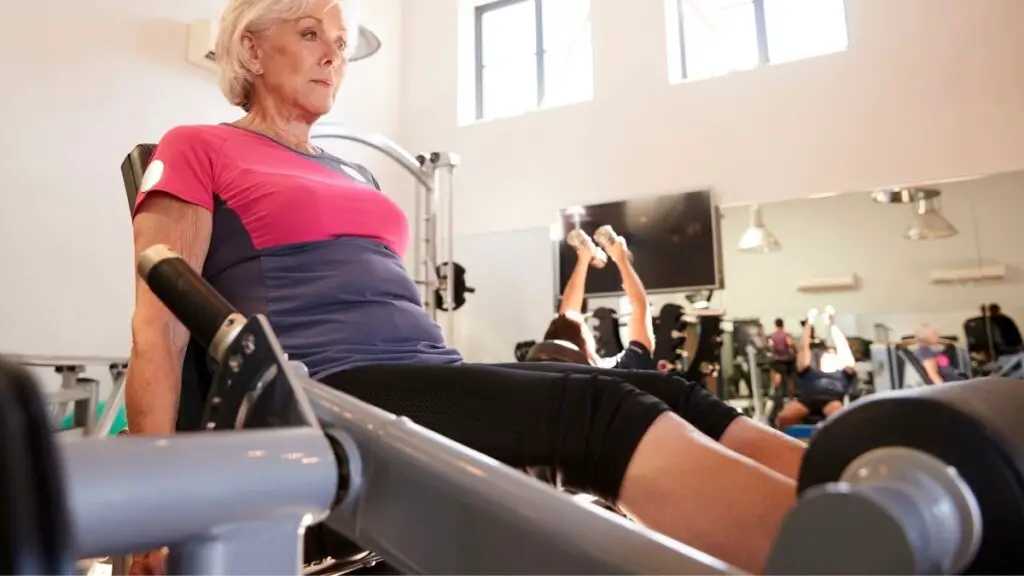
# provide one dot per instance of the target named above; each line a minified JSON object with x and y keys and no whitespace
{"x":820,"y":391}
{"x":282,"y":228}
{"x":569,"y":325}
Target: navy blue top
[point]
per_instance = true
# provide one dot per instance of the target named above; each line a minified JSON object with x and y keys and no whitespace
{"x":308,"y":240}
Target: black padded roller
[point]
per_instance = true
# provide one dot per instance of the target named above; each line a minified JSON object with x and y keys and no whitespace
{"x":975,"y":426}
{"x":191,"y":299}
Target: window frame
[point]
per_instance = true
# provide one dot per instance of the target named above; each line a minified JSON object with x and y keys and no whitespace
{"x":763,"y":57}
{"x":480,"y":11}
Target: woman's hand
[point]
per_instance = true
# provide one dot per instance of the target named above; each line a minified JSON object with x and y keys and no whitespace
{"x":617,"y":250}
{"x":585,"y":249}
{"x":812,"y":315}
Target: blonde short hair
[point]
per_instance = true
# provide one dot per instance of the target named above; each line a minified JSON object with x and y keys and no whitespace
{"x":927,"y":332}
{"x":239,"y":18}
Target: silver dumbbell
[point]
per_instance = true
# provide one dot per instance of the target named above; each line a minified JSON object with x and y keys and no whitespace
{"x":577,"y":238}
{"x":605,"y":236}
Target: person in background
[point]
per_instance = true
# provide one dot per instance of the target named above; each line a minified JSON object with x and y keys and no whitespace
{"x":569,"y":325}
{"x":932,"y":355}
{"x":822,"y":390}
{"x":1009,"y":333}
{"x":783,"y":349}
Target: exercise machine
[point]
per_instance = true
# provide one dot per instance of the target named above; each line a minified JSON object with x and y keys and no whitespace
{"x":923,"y":481}
{"x":895,"y":366}
{"x":422,"y":502}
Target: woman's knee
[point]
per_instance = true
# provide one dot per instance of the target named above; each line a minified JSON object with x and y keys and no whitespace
{"x":601,"y":422}
{"x":831,"y":408}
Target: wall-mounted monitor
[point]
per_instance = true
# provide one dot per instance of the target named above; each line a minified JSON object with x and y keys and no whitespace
{"x":674,"y":239}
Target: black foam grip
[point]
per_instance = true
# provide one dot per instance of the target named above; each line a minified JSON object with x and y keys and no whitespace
{"x":190,"y":298}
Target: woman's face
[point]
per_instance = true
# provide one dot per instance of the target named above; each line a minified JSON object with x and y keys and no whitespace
{"x":303,"y":59}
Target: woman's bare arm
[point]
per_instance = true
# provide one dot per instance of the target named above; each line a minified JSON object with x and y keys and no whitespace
{"x":931,"y":367}
{"x":153,"y":383}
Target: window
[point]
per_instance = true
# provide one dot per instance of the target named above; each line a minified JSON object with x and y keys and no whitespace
{"x":722,"y":36}
{"x":531,"y":54}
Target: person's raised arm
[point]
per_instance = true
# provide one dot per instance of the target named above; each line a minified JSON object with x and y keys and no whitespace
{"x":803,"y":354}
{"x":641,"y":325}
{"x":575,"y":288}
{"x":843,"y":351}
{"x":174,"y":207}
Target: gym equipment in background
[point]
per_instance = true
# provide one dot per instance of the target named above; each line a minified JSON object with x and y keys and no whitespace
{"x":895,"y":366}
{"x":705,"y":364}
{"x":670,"y":337}
{"x":604,"y":323}
{"x":119,"y":422}
{"x":93,"y":416}
{"x":459,"y":290}
{"x":522,"y":349}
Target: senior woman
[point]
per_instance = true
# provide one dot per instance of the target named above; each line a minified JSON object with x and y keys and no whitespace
{"x":282,"y":228}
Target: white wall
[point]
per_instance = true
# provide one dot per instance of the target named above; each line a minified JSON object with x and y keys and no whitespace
{"x":82,"y":83}
{"x":929,"y":89}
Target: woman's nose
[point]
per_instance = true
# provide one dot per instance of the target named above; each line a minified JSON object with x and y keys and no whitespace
{"x":332,"y":56}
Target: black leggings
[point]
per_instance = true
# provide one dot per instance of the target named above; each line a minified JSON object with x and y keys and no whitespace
{"x":584,"y":422}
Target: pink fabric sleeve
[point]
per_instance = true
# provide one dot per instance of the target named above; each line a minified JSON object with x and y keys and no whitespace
{"x":182,"y":166}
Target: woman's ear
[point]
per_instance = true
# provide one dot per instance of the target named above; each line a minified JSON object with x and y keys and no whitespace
{"x":251,"y":54}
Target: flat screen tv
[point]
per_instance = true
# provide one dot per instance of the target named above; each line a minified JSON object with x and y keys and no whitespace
{"x":674,"y":239}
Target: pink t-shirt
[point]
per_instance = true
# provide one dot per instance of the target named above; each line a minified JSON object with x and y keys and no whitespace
{"x":308,"y":240}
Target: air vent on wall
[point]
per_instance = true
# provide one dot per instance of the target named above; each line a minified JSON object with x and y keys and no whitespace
{"x":827,"y":284}
{"x":202,"y":37}
{"x":990,"y":271}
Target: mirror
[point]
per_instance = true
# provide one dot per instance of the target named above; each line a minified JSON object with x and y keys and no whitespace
{"x":890,"y":262}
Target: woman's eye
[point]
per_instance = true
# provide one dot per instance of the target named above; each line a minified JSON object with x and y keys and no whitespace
{"x":342,"y":45}
{"x":309,"y":35}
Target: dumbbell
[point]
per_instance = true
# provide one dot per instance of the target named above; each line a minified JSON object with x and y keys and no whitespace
{"x":605,"y":236}
{"x":577,"y":238}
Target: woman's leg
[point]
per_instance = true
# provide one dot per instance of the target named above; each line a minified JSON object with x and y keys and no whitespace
{"x":792,"y":414}
{"x":832,"y":407}
{"x":687,"y":486}
{"x":586,"y":426}
{"x":605,"y":436}
{"x":706,"y":412}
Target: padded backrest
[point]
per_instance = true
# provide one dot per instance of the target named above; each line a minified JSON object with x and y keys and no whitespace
{"x":133,"y":168}
{"x":914,"y":374}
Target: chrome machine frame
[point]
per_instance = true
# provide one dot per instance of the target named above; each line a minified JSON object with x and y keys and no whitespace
{"x":432,"y":192}
{"x":81,"y":393}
